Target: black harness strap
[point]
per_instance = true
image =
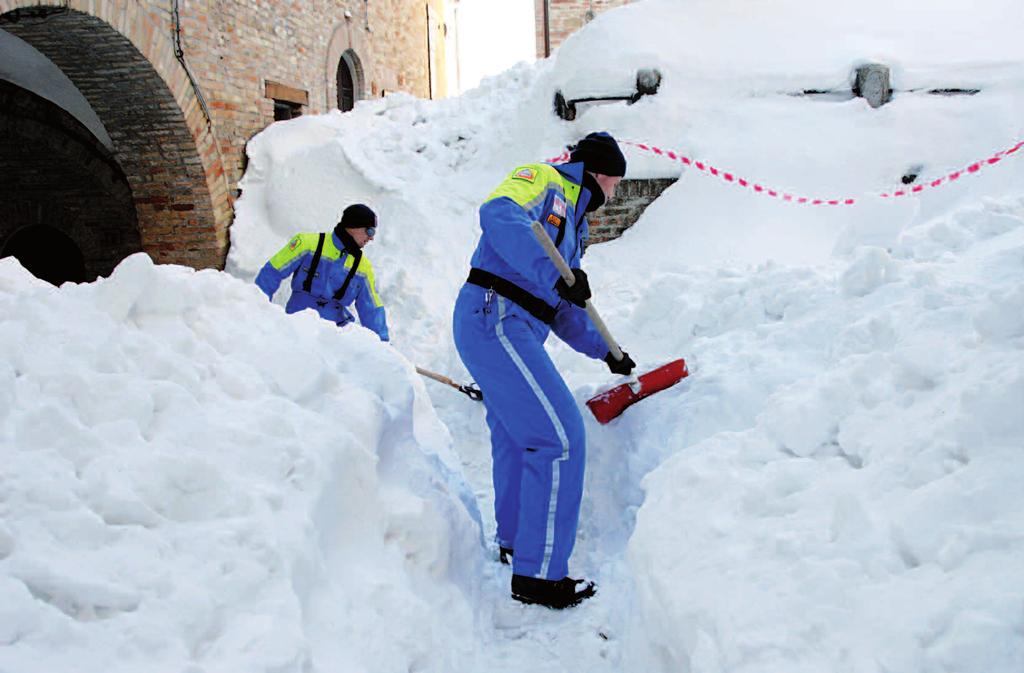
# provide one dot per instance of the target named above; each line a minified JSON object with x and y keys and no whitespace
{"x":534,"y":305}
{"x":308,"y":284}
{"x":358,"y":255}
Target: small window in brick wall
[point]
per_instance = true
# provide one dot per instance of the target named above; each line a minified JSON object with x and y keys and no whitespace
{"x":288,"y":101}
{"x":284,"y":110}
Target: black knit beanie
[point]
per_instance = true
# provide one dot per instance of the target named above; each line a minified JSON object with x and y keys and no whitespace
{"x":357,"y":216}
{"x":600,"y":154}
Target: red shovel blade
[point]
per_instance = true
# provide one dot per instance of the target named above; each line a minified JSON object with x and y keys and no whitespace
{"x":609,"y":404}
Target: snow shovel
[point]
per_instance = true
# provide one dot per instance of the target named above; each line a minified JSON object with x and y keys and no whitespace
{"x":609,"y":404}
{"x":469,"y":390}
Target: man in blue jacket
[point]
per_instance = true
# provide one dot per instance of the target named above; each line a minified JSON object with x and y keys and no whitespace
{"x":513,"y":297}
{"x":330,"y":272}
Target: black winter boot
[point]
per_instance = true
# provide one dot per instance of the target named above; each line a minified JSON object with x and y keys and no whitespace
{"x":555,"y":594}
{"x":505,"y":555}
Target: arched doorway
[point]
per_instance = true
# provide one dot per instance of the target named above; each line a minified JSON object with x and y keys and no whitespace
{"x":350,"y":80}
{"x":47,"y":253}
{"x":162,"y":157}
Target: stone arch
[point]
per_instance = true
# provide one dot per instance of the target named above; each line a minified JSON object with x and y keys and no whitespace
{"x":55,"y":174}
{"x":347,"y":46}
{"x":350,"y":80}
{"x":121,"y":59}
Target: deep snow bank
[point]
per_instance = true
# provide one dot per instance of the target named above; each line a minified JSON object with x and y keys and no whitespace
{"x":842,"y":483}
{"x":731,"y":70}
{"x":741,"y":47}
{"x":194,"y":481}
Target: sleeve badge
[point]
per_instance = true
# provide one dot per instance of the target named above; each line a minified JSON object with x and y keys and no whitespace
{"x":527,"y":174}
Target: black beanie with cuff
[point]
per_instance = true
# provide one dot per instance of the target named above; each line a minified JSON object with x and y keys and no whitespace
{"x":357,"y":216}
{"x":600,"y":154}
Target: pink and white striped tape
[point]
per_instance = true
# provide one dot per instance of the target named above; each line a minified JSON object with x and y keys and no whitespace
{"x":804,"y":200}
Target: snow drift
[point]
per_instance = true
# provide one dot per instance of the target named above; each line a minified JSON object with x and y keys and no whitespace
{"x":840,"y":489}
{"x":194,"y":481}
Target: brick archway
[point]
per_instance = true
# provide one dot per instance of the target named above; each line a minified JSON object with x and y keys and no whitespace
{"x":118,"y":56}
{"x":56,"y":176}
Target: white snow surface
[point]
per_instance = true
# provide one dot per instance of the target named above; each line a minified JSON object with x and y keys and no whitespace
{"x":196,"y":482}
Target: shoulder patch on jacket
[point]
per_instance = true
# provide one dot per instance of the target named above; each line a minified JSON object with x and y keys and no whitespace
{"x":295,"y":242}
{"x":525,"y":173}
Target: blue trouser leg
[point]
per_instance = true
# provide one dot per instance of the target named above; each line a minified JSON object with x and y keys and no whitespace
{"x":504,"y":351}
{"x":507,"y":467}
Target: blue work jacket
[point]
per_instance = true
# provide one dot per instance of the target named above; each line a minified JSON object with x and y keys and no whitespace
{"x":333,"y":267}
{"x":553,"y":195}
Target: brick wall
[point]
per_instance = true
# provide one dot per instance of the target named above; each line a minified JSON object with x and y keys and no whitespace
{"x":565,"y":17}
{"x":631,"y":199}
{"x":183,"y":167}
{"x":235,"y":47}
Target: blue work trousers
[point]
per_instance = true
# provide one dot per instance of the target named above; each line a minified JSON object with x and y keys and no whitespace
{"x":538,"y":444}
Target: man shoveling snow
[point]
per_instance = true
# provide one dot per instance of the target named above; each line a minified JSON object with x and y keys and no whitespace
{"x":514,"y":296}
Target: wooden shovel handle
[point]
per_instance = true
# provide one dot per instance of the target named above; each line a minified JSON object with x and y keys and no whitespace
{"x":566,"y":272}
{"x":437,"y":377}
{"x":470,"y":390}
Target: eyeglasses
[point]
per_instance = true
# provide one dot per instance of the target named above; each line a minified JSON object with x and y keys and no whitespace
{"x":371,"y":231}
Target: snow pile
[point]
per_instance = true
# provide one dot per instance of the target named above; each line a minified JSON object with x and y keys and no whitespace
{"x":834,"y":488}
{"x":422,"y":166}
{"x":738,"y":47}
{"x":842,"y":483}
{"x":194,"y":481}
{"x":732,"y":75}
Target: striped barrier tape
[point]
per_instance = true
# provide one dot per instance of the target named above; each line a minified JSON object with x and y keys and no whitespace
{"x":804,"y":200}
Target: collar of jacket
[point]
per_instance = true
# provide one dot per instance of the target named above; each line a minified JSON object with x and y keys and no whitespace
{"x":344,"y":242}
{"x":574,"y":173}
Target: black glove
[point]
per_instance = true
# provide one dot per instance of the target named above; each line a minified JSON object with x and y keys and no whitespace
{"x":623,"y":366}
{"x":579,"y":293}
